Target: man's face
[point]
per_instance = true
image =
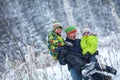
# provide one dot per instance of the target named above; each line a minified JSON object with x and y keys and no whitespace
{"x":58,"y":30}
{"x":72,"y":36}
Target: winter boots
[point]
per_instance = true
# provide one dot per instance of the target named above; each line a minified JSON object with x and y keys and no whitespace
{"x":110,"y":70}
{"x":90,"y":69}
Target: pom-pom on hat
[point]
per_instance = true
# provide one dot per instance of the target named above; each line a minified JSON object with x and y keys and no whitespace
{"x":56,"y":26}
{"x":86,"y":30}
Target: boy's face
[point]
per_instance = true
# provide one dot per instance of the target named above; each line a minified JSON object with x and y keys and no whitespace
{"x":72,"y":36}
{"x":58,"y":30}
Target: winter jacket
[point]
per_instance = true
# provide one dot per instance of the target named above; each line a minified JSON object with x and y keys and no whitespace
{"x":74,"y":55}
{"x":89,"y":44}
{"x":55,"y":41}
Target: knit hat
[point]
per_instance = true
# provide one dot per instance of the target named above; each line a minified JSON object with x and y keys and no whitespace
{"x":86,"y":30}
{"x":70,"y":29}
{"x":56,"y":26}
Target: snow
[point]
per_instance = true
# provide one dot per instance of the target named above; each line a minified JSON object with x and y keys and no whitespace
{"x":44,"y":68}
{"x":58,"y":73}
{"x":30,"y":22}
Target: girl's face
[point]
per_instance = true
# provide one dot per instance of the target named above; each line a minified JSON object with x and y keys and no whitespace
{"x":86,"y":34}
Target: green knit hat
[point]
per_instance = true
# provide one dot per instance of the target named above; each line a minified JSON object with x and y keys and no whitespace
{"x":70,"y":29}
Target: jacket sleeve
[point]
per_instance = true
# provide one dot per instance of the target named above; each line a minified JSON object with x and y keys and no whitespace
{"x":92,"y":44}
{"x":83,"y":44}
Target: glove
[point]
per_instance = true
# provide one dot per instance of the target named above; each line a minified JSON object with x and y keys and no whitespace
{"x":62,"y":60}
{"x":63,"y":52}
{"x":86,"y":56}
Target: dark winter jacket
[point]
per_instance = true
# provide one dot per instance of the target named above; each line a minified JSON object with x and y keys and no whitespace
{"x":74,"y":59}
{"x":73,"y":56}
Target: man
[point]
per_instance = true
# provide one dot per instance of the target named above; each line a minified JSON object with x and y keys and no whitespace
{"x":72,"y":54}
{"x":59,"y":49}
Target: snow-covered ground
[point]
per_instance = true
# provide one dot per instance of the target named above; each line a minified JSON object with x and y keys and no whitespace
{"x":38,"y":71}
{"x":58,"y":73}
{"x":24,"y":25}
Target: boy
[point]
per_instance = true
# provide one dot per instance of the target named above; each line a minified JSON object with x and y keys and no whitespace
{"x":55,"y":41}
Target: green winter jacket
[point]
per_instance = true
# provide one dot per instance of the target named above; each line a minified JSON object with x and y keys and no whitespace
{"x":89,"y":44}
{"x":54,"y":41}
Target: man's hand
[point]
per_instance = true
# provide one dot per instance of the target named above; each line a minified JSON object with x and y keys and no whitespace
{"x":86,"y":56}
{"x":63,"y":52}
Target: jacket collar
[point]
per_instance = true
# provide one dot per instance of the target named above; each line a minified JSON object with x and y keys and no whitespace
{"x":70,"y":40}
{"x":56,"y":33}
